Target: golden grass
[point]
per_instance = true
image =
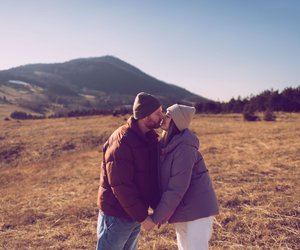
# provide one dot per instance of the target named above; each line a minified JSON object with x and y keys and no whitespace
{"x":49,"y":171}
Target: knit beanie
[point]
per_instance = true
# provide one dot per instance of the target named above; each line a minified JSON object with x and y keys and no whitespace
{"x":182,"y":115}
{"x":144,"y":105}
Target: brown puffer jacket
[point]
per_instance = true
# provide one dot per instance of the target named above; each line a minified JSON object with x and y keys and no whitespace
{"x":129,"y":178}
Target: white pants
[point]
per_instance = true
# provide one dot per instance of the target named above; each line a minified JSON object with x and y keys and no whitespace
{"x":194,"y":235}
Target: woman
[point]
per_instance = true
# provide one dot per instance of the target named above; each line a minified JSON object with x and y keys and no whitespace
{"x":188,"y":197}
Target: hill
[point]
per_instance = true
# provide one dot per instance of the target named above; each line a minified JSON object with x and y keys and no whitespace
{"x":102,"y":82}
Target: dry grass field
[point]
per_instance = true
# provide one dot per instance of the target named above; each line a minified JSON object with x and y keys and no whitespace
{"x":49,"y":171}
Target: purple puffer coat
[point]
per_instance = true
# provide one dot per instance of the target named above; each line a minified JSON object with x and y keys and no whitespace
{"x":187,"y":190}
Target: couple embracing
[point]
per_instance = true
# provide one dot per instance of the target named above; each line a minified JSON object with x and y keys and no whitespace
{"x":139,"y":170}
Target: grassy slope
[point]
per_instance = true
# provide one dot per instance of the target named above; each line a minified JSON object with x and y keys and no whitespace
{"x":49,"y":174}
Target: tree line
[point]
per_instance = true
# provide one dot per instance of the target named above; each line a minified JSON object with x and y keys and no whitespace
{"x":73,"y":113}
{"x":269,"y":100}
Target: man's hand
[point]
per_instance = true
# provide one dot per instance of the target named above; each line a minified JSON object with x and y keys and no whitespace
{"x":148,"y":224}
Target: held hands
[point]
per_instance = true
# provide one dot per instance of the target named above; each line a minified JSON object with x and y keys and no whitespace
{"x":148,"y":224}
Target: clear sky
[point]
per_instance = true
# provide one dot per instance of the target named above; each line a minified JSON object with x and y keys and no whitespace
{"x":215,"y":48}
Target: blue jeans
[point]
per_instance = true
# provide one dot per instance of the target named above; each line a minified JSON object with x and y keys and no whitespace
{"x":115,"y":233}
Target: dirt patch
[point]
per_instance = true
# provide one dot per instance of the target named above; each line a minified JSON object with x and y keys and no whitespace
{"x":25,"y":218}
{"x":11,"y":154}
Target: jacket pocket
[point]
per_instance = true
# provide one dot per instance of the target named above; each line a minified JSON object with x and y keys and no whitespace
{"x":107,"y":198}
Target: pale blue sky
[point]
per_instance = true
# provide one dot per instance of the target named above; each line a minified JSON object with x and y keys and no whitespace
{"x":217,"y":49}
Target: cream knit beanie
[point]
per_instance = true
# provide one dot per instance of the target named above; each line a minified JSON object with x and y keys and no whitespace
{"x":182,"y":115}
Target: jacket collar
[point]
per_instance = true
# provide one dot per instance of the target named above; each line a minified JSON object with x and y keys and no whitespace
{"x":186,"y":137}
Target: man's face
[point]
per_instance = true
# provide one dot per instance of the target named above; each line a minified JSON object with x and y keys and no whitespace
{"x":153,"y":121}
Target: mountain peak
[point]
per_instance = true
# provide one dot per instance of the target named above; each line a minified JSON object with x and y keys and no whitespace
{"x":104,"y":81}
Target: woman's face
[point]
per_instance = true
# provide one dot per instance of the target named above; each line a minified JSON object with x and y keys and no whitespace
{"x":165,"y":123}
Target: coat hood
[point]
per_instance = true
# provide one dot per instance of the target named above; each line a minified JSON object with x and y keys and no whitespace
{"x":186,"y":137}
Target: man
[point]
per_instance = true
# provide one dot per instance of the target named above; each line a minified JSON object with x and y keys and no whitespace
{"x":129,"y":183}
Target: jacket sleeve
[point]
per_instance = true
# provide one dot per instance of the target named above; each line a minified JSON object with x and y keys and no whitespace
{"x":179,"y":181}
{"x":120,"y":171}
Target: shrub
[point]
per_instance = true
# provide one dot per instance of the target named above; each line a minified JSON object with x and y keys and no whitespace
{"x":250,"y":116}
{"x":24,"y":116}
{"x":269,"y":116}
{"x":248,"y":113}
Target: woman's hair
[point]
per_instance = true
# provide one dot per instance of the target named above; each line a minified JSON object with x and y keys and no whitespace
{"x":168,"y":135}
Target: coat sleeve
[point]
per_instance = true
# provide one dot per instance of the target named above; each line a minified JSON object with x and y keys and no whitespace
{"x":179,"y":181}
{"x":120,"y":171}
